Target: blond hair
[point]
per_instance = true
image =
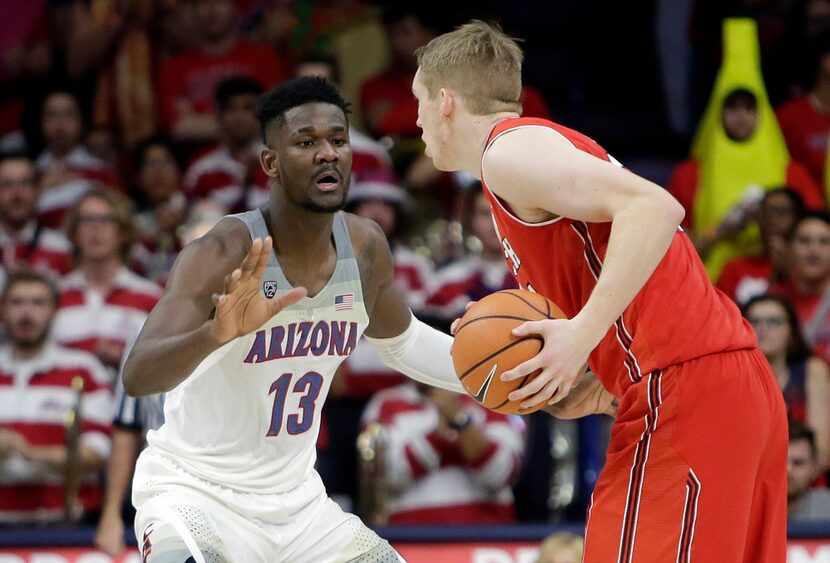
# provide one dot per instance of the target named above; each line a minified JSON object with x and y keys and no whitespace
{"x":480,"y":62}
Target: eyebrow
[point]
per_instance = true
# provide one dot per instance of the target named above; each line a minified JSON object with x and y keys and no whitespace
{"x":310,"y":129}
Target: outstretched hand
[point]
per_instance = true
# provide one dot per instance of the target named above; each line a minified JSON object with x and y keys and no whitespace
{"x":241,"y":308}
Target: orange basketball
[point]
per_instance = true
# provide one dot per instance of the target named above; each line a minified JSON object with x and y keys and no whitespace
{"x":484,"y":347}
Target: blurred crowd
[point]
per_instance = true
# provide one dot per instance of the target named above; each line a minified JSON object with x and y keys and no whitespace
{"x":128,"y":128}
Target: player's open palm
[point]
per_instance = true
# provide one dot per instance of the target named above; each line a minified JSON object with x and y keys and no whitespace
{"x":242,"y":308}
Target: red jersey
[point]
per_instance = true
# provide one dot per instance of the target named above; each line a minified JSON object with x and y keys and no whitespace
{"x":677,"y":316}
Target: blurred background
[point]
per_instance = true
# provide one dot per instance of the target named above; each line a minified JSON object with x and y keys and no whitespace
{"x":127,"y":129}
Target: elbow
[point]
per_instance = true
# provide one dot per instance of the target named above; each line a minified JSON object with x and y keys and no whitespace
{"x":132,"y":382}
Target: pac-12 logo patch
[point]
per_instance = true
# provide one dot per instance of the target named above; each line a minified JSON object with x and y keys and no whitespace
{"x":269,"y":288}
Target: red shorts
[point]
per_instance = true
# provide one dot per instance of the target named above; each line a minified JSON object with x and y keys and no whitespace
{"x":696,"y":470}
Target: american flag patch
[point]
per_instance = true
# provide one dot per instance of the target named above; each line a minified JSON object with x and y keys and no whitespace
{"x":344,"y":301}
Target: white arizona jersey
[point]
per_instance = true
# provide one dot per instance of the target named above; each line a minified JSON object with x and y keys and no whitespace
{"x":249,"y":414}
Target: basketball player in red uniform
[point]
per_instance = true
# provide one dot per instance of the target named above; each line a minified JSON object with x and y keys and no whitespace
{"x":696,"y":467}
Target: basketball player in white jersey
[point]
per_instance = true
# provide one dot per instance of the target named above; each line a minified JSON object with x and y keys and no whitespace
{"x":255,"y":319}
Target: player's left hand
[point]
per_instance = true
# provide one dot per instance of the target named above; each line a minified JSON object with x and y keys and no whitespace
{"x":562,"y":360}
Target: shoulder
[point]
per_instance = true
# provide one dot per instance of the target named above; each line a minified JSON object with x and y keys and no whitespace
{"x":511,"y":146}
{"x":211,"y":257}
{"x":229,"y":236}
{"x":368,"y":240}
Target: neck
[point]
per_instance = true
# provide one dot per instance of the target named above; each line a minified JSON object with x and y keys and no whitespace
{"x":820,"y":96}
{"x":475,"y":136}
{"x":100,"y":274}
{"x":24,"y":353}
{"x":299,"y":235}
{"x":810,"y":287}
{"x":12,"y":229}
{"x":779,"y":367}
{"x":59,"y":153}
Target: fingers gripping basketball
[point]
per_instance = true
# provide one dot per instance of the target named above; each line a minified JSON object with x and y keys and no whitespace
{"x":484,"y":347}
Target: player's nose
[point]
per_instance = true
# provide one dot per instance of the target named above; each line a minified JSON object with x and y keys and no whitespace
{"x":328,"y":153}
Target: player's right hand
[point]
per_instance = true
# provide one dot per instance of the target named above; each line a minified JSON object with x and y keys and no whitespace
{"x":242,"y":308}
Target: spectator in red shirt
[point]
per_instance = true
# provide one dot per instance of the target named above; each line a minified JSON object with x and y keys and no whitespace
{"x":446,"y":459}
{"x":67,"y":169}
{"x":35,"y":396}
{"x":102,"y":303}
{"x":230,"y":174}
{"x":187,"y":82}
{"x":745,"y":277}
{"x":809,"y":279}
{"x":23,"y":240}
{"x":386,"y":101}
{"x":805,"y":120}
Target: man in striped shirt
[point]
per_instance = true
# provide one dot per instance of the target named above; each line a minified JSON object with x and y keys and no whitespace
{"x":102,"y":302}
{"x":36,"y":394}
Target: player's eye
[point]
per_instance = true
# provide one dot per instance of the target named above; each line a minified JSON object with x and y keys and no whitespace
{"x":306,"y":143}
{"x":338,"y":142}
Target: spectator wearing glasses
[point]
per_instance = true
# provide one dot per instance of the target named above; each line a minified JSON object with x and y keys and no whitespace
{"x":102,"y":301}
{"x":802,"y":376}
{"x":24,"y":241}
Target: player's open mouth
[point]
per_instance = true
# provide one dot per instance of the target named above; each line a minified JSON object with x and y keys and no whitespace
{"x":327,"y":181}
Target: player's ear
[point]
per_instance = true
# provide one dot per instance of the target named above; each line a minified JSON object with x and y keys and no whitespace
{"x":270,"y":162}
{"x":447,"y":102}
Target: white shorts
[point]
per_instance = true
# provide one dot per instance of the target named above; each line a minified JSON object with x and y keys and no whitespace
{"x":181,"y":518}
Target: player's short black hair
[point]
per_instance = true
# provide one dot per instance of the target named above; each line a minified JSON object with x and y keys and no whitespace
{"x":293,"y":93}
{"x":236,"y":86}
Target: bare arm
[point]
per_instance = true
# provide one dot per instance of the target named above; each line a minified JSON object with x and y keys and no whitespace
{"x":818,"y":407}
{"x":177,"y":334}
{"x":403,"y":342}
{"x":212,"y":297}
{"x":125,"y":446}
{"x":389,"y":314}
{"x":88,"y":40}
{"x":56,"y":456}
{"x":571,"y":183}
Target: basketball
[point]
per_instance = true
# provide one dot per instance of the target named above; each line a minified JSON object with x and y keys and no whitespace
{"x":484,"y":347}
